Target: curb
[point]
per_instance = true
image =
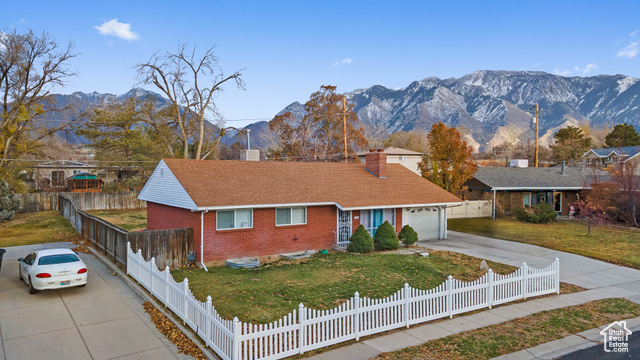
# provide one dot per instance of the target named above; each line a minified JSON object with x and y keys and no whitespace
{"x":145,"y":296}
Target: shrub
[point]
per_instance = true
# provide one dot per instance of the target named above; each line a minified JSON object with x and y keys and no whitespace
{"x":385,"y":237}
{"x":540,"y":214}
{"x":408,"y":235}
{"x":9,"y":202}
{"x":360,"y":241}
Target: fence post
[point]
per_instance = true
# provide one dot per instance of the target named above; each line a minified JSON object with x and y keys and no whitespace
{"x":449,"y":296}
{"x":167,"y":274}
{"x":356,"y":316}
{"x":490,"y":288}
{"x":406,"y":309}
{"x":152,"y":265}
{"x":557,"y":268}
{"x":302,"y":315}
{"x":525,"y":270}
{"x":237,"y":329}
{"x":208,"y":324}
{"x":185,"y":287}
{"x":139,"y":263}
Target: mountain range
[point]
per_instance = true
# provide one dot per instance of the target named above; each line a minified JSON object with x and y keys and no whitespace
{"x":490,"y":107}
{"x":493,"y":107}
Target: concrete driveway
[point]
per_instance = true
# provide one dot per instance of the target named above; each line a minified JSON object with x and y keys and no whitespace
{"x":589,"y":273}
{"x":104,"y":320}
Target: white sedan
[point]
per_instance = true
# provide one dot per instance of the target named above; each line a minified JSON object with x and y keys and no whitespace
{"x":52,"y":269}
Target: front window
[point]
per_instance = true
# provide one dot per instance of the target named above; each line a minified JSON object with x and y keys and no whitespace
{"x":234,"y":219}
{"x":373,"y":218}
{"x":526,"y":199}
{"x":291,"y":216}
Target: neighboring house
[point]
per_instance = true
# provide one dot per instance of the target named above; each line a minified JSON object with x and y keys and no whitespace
{"x":407,"y":158}
{"x":53,"y":175}
{"x":601,"y":158}
{"x":516,"y":187}
{"x":256,"y":208}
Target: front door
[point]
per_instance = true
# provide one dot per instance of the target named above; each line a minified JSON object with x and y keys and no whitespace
{"x":557,"y":202}
{"x":344,"y":228}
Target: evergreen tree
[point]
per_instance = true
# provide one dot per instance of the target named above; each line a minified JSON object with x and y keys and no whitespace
{"x":360,"y":241}
{"x":570,"y":145}
{"x":385,"y":237}
{"x":622,"y":135}
{"x":9,"y":202}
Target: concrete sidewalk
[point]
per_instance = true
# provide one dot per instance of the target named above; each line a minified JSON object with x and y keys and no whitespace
{"x":104,"y":320}
{"x":604,"y":280}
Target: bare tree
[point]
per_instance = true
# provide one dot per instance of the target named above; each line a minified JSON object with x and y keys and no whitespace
{"x":30,"y":67}
{"x":191,"y":83}
{"x":628,"y":198}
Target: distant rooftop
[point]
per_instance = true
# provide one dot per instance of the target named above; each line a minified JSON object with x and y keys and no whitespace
{"x":624,"y":151}
{"x":531,"y":178}
{"x":394,"y":151}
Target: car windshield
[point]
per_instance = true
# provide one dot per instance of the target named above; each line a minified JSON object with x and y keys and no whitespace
{"x":57,"y":259}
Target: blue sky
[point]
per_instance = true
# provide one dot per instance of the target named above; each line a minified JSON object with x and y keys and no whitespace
{"x":290,"y":48}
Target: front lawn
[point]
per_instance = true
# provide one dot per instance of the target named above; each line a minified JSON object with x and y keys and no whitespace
{"x":521,"y":333}
{"x":36,"y":228}
{"x":130,"y":220}
{"x":616,"y":246}
{"x":271,"y":291}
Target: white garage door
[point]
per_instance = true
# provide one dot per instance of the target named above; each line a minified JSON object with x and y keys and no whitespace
{"x":425,"y":222}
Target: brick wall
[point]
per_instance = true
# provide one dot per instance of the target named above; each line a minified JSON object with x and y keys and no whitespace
{"x":265,"y":238}
{"x":163,"y":217}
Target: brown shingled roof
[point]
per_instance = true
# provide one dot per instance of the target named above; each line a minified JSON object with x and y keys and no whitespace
{"x":215,"y":183}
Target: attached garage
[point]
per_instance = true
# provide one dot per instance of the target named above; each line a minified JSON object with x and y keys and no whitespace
{"x":426,"y":222}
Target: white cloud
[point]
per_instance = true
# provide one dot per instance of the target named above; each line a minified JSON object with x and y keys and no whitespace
{"x":117,"y":29}
{"x":561,"y":72}
{"x":587,"y":69}
{"x":346,"y":61}
{"x":630,"y":51}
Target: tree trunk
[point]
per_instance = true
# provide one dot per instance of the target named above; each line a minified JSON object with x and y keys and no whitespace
{"x":589,"y":226}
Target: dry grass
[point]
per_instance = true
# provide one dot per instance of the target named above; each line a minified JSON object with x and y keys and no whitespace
{"x":521,"y":333}
{"x":36,"y":228}
{"x":131,"y":220}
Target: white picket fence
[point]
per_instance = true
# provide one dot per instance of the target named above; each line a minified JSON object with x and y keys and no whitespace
{"x":307,"y":329}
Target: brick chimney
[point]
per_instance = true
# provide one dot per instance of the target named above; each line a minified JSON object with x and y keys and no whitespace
{"x":376,"y":163}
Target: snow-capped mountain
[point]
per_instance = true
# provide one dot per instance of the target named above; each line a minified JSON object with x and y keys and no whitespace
{"x":494,"y":106}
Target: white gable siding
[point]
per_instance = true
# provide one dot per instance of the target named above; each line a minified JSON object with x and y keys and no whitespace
{"x":163,"y":188}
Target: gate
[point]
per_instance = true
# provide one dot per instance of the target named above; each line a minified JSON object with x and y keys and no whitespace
{"x":344,"y":228}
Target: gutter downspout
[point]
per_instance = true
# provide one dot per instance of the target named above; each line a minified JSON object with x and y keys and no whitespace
{"x":202,"y":239}
{"x":494,"y":204}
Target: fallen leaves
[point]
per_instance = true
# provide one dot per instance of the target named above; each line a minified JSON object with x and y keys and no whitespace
{"x":172,"y":333}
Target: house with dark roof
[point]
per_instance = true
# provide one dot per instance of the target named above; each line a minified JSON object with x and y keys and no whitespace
{"x":395,"y":155}
{"x":602,"y":158}
{"x":516,"y":187}
{"x":254,"y":208}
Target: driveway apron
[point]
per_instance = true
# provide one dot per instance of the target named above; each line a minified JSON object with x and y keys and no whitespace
{"x":104,"y":320}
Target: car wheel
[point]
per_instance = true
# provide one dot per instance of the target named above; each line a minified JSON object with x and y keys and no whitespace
{"x":32,"y":290}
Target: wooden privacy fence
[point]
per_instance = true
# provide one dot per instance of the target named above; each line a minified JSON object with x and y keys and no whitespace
{"x":170,"y":247}
{"x":308,"y":329}
{"x":86,"y":201}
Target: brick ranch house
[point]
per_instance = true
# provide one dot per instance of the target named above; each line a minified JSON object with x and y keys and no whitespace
{"x":255,"y":208}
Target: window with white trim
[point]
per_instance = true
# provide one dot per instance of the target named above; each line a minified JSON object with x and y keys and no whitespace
{"x":234,"y":219}
{"x":291,"y":216}
{"x":526,"y":199}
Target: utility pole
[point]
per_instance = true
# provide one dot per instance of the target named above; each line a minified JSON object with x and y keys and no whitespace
{"x":344,"y":126}
{"x":535,"y":154}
